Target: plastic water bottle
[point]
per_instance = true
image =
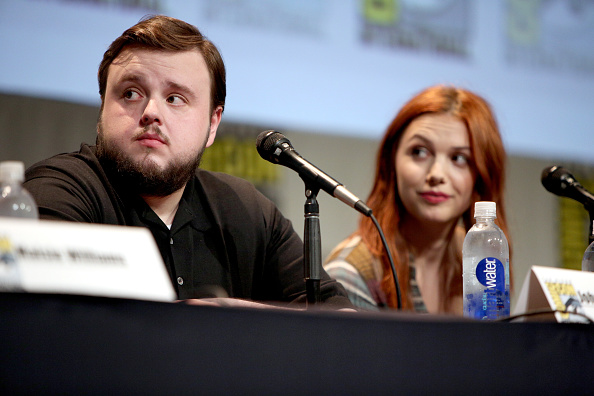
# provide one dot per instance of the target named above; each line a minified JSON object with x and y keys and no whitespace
{"x":15,"y":201}
{"x":588,"y":260}
{"x":485,"y":272}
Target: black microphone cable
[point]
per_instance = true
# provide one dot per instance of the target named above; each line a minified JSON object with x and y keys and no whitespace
{"x":390,"y":259}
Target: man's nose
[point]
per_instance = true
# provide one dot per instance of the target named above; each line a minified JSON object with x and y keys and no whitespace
{"x":151,"y":113}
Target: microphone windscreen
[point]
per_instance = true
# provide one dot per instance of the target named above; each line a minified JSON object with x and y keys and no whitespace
{"x":552,"y":178}
{"x":263,"y":136}
{"x":267,"y":142}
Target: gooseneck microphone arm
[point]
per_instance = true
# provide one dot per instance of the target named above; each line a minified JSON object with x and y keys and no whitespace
{"x":276,"y":148}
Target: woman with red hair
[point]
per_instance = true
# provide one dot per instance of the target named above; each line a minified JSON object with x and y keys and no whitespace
{"x":441,"y":154}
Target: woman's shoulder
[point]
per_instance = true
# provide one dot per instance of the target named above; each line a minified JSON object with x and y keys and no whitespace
{"x":359,"y":271}
{"x":354,"y":252}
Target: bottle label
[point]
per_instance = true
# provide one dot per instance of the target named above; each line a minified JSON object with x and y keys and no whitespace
{"x":490,"y":272}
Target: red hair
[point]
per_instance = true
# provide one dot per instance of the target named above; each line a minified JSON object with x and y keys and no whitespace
{"x":488,"y":163}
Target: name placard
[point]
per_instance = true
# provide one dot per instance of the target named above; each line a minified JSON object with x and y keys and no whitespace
{"x":558,"y":289}
{"x":77,"y":258}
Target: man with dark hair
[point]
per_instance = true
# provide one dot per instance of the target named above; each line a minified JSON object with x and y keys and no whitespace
{"x":162,"y":88}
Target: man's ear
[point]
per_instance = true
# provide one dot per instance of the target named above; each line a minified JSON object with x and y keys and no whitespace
{"x":215,"y":120}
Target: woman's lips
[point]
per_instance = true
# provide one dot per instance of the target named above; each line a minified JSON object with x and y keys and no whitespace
{"x":434,"y":197}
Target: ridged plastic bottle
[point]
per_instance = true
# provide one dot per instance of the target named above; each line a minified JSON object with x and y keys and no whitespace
{"x":588,"y":259}
{"x":485,"y":272}
{"x":15,"y":201}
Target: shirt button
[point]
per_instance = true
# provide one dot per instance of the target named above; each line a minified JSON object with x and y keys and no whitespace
{"x":171,"y":241}
{"x":180,"y":280}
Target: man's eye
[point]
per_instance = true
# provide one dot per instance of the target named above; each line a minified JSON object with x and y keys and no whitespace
{"x":131,"y":95}
{"x":175,"y":100}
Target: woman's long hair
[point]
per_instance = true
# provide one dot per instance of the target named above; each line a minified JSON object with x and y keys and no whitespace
{"x":488,"y":164}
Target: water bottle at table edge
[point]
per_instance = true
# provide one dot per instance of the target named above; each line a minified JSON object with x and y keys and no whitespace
{"x":485,"y":267}
{"x":588,"y":259}
{"x":15,"y":201}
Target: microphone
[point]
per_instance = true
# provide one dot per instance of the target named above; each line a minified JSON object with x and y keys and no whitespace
{"x":559,"y":181}
{"x":274,"y":147}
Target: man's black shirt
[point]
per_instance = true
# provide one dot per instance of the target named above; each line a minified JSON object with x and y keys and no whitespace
{"x":225,"y":232}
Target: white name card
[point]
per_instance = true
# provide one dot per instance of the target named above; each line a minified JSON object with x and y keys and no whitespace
{"x":558,"y":289}
{"x":77,"y":258}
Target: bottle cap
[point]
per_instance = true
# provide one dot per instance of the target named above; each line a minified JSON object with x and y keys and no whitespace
{"x":485,"y":209}
{"x":12,"y":170}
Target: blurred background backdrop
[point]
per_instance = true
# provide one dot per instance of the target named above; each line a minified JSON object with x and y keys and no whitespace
{"x":330,"y":75}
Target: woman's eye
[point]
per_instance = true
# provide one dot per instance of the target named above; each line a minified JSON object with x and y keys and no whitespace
{"x":419,"y":152}
{"x":460,"y":159}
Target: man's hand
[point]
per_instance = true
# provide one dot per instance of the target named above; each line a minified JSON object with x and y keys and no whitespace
{"x":234,"y":302}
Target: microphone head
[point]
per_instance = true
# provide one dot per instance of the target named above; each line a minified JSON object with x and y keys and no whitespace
{"x":270,"y":144}
{"x":557,"y":179}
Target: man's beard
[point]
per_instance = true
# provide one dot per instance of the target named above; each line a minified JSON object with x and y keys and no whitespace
{"x":144,"y":176}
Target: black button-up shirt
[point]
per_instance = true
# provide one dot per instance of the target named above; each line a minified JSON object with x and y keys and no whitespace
{"x":225,"y":233}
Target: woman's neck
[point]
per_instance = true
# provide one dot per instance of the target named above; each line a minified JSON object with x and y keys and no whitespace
{"x":428,"y":241}
{"x":428,"y":247}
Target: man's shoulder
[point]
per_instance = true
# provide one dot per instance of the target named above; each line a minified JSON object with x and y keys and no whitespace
{"x":72,"y":186}
{"x":75,"y":171}
{"x":223,"y":183}
{"x":78,"y":164}
{"x":230,"y":194}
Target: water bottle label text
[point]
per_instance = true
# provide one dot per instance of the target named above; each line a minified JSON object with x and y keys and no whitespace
{"x":490,"y":272}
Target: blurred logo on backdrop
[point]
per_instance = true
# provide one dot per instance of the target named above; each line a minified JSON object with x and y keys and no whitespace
{"x":305,"y":18}
{"x":552,"y":34}
{"x":432,"y":26}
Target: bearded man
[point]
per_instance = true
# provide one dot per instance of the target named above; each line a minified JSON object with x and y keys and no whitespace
{"x":162,"y":87}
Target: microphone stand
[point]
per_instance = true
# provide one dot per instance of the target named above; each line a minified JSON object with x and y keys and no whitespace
{"x":312,"y":252}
